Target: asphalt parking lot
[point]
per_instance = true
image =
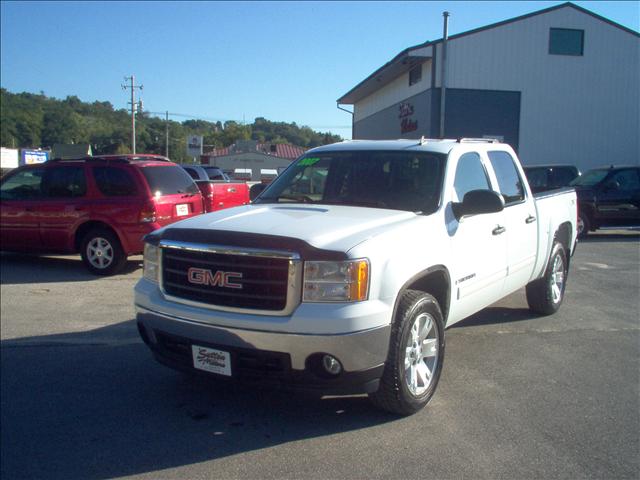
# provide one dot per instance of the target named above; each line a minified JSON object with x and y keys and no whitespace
{"x":521,"y":396}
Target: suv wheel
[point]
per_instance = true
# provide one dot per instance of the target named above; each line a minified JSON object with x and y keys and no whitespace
{"x":102,"y":253}
{"x":416,"y":353}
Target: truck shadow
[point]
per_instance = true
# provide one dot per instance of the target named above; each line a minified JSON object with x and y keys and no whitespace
{"x":96,"y":405}
{"x":496,"y":315}
{"x":18,"y":268}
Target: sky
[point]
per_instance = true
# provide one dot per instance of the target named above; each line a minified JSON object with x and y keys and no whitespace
{"x":284,"y":61}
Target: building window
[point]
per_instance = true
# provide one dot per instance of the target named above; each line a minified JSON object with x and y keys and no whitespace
{"x":566,"y":41}
{"x":415,"y":75}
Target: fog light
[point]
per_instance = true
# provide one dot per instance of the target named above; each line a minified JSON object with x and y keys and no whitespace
{"x":331,"y":365}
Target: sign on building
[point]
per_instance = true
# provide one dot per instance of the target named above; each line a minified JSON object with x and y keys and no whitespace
{"x":8,"y":158}
{"x":194,"y":145}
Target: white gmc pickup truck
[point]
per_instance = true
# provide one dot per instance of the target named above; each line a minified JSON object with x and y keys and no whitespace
{"x":343,"y":274}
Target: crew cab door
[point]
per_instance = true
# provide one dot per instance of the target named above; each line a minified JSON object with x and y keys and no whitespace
{"x":619,"y":199}
{"x":20,"y":196}
{"x":520,"y":221}
{"x":479,"y":260}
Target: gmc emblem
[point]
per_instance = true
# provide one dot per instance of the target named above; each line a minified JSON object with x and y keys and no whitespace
{"x":202,"y":276}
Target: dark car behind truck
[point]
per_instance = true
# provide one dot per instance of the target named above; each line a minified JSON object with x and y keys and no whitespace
{"x":542,"y":178}
{"x":608,"y":197}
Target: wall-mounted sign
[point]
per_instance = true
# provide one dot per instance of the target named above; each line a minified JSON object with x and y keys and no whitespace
{"x":194,"y":145}
{"x":406,"y":110}
{"x":407,"y":124}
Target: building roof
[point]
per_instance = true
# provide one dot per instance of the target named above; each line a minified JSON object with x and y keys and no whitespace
{"x":407,"y":58}
{"x":280,"y":150}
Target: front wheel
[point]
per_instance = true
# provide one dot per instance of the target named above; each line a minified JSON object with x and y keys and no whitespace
{"x":416,"y":354}
{"x":545,"y":295}
{"x":102,"y":253}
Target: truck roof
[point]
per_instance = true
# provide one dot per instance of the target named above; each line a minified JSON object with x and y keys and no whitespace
{"x":423,"y":144}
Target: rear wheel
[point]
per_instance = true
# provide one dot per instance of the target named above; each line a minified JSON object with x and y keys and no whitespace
{"x":583,"y":225}
{"x":102,"y":253}
{"x":416,"y":354}
{"x":546,"y":294}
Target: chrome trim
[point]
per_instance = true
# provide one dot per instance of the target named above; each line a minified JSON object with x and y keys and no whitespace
{"x":227,"y":250}
{"x":294,"y":281}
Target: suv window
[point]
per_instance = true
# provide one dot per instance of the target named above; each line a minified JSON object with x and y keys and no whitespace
{"x":192,"y":173}
{"x":24,"y":185}
{"x":470,"y":175}
{"x":114,"y":182}
{"x":627,"y":179}
{"x":169,"y":180}
{"x":509,"y":180}
{"x":64,"y":182}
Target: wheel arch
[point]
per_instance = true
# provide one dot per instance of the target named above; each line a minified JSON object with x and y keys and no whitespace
{"x":435,"y":281}
{"x":86,"y":227}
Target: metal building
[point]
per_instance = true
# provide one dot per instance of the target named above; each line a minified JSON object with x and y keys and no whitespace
{"x":561,"y":85}
{"x":251,"y":160}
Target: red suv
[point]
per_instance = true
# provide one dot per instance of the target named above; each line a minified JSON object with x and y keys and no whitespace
{"x":99,"y":206}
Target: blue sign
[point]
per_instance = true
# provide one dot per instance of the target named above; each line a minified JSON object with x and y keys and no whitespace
{"x":29,"y":157}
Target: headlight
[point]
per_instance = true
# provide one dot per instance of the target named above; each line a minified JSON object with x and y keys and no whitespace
{"x":336,"y":281}
{"x":151,"y":262}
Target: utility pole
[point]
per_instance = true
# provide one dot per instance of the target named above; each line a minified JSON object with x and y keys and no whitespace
{"x":166,"y":142}
{"x":133,"y":87}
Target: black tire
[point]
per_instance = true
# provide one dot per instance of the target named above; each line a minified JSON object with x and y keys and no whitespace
{"x":586,"y":225}
{"x":545,"y":295}
{"x":110,"y":259}
{"x":394,"y":394}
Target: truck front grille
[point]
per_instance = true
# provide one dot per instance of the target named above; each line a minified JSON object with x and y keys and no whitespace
{"x":231,"y":279}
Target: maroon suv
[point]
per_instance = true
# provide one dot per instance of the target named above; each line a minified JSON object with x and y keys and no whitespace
{"x":99,"y":206}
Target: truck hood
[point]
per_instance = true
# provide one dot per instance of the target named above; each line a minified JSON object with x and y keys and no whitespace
{"x":329,"y":227}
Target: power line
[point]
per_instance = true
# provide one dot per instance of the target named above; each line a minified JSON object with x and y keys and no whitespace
{"x":212,"y":119}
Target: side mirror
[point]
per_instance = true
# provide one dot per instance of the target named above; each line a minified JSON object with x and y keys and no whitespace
{"x":477,"y":202}
{"x":256,"y":190}
{"x":611,"y":185}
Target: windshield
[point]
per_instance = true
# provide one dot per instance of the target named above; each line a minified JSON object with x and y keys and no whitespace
{"x":169,"y":180}
{"x":380,"y":179}
{"x":591,"y":177}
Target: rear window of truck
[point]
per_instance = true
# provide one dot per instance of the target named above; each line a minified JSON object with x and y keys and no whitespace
{"x":168,"y":180}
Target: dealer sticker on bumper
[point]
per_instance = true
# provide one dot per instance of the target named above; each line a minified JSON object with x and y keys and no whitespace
{"x":211,"y":360}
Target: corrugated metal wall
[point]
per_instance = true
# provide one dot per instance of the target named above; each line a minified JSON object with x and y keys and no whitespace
{"x":583,"y":110}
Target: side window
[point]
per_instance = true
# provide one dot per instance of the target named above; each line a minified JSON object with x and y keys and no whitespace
{"x":470,"y":175}
{"x":562,"y":176}
{"x":627,"y":179}
{"x":509,"y":180}
{"x":114,"y":182}
{"x":64,"y":182}
{"x":192,"y":173}
{"x":537,"y":177}
{"x":24,"y":185}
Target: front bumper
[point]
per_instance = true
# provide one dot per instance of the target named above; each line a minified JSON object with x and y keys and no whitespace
{"x":284,"y":359}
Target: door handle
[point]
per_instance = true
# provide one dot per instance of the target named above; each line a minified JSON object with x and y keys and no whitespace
{"x":530,"y":219}
{"x":498,"y":230}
